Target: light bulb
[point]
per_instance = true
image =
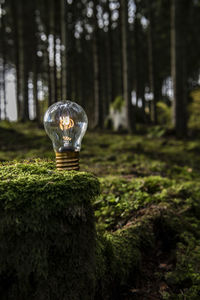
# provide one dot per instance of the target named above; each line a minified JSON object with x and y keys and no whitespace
{"x":66,"y":123}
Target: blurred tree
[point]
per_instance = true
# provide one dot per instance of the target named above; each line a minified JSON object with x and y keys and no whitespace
{"x":4,"y":62}
{"x":63,"y":49}
{"x":98,"y":122}
{"x":179,"y":73}
{"x":126,"y":73}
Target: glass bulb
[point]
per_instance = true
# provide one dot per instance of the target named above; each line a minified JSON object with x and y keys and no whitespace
{"x":65,"y":123}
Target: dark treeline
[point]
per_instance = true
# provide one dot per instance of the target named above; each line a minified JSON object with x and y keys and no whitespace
{"x":94,"y":52}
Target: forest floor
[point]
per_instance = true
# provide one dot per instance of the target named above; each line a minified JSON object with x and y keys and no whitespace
{"x":140,"y":175}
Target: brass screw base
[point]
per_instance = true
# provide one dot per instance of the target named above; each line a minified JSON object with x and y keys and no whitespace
{"x":67,"y":160}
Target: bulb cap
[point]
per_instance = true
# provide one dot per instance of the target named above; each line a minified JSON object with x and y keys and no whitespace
{"x":68,"y":160}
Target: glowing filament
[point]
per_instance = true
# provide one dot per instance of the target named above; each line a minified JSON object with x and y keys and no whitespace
{"x":66,"y":123}
{"x":67,"y":138}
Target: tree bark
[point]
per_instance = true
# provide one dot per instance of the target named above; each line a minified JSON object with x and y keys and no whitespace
{"x":21,"y":60}
{"x":109,"y":58}
{"x":98,"y":105}
{"x":152,"y":61}
{"x":137,"y":59}
{"x":126,"y":75}
{"x":25,"y":78}
{"x":15,"y":21}
{"x":3,"y":29}
{"x":35,"y":69}
{"x":54,"y":27}
{"x":64,"y":50}
{"x":50,"y":28}
{"x":178,"y":65}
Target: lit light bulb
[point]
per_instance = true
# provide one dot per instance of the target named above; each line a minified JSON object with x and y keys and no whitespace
{"x":66,"y":123}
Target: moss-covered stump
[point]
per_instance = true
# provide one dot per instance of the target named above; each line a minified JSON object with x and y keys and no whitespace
{"x":47,"y":233}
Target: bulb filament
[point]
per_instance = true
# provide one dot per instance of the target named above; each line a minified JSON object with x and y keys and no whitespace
{"x":66,"y":123}
{"x":67,"y":138}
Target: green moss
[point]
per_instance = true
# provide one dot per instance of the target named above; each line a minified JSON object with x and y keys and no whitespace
{"x":106,"y":154}
{"x":119,"y":258}
{"x":47,"y":232}
{"x":120,"y":198}
{"x":150,"y":198}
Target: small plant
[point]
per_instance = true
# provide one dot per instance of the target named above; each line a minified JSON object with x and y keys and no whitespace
{"x":118,"y":103}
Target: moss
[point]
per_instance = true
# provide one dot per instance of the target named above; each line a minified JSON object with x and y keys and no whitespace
{"x":134,"y":155}
{"x":121,"y":254}
{"x":149,"y":183}
{"x":47,"y":232}
{"x":120,"y":198}
{"x":140,"y":214}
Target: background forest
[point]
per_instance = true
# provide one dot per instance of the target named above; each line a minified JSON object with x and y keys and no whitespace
{"x":134,"y":66}
{"x":143,"y":55}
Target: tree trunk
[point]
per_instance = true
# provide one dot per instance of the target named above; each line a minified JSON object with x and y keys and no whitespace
{"x":137,"y":58}
{"x":54,"y":22}
{"x":98,"y":105}
{"x":25,"y":113}
{"x":4,"y":67}
{"x":50,"y":27}
{"x":109,"y":58}
{"x":125,"y":56}
{"x":35,"y":90}
{"x":21,"y":59}
{"x":15,"y":21}
{"x":152,"y":61}
{"x":119,"y":91}
{"x":4,"y":83}
{"x":178,"y":65}
{"x":63,"y":50}
{"x":70,"y":15}
{"x":35,"y":69}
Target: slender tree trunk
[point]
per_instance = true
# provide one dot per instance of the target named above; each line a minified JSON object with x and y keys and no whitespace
{"x":1,"y":29}
{"x":70,"y":13}
{"x":63,"y":4}
{"x":25,"y":116}
{"x":35,"y":90}
{"x":47,"y":51}
{"x":121,"y":88}
{"x":105,"y":77}
{"x":83,"y":70}
{"x":50,"y":97}
{"x":97,"y":101}
{"x":109,"y":58}
{"x":137,"y":59}
{"x":51,"y":59}
{"x":152,"y":61}
{"x":35,"y":70}
{"x":54,"y":22}
{"x":21,"y":73}
{"x":15,"y":21}
{"x":143,"y":99}
{"x":25,"y":111}
{"x":126,"y":79}
{"x":4,"y":66}
{"x":178,"y":65}
{"x":0,"y":94}
{"x":81,"y":74}
{"x":4,"y":86}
